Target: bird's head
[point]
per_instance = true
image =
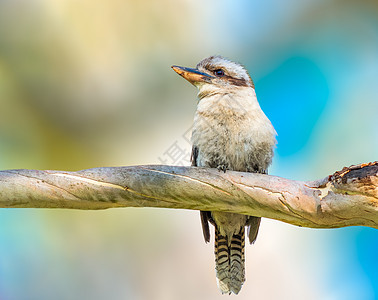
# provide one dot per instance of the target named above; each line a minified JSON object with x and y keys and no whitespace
{"x":215,"y":74}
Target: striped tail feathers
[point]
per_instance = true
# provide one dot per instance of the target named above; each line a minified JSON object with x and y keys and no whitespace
{"x":237,"y":261}
{"x":222,"y":262}
{"x":229,"y":261}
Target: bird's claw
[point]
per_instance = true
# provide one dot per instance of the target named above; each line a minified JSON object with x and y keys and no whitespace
{"x":222,"y":168}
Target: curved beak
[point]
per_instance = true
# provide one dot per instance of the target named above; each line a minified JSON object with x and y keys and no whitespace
{"x":192,"y":75}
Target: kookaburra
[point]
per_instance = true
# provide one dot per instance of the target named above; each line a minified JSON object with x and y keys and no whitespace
{"x":230,"y":132}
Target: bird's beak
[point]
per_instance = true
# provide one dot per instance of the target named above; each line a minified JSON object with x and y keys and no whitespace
{"x":192,"y":75}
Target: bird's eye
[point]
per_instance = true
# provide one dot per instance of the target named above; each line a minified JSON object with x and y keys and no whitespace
{"x":218,"y":72}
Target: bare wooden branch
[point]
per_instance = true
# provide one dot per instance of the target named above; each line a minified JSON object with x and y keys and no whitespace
{"x":346,"y":198}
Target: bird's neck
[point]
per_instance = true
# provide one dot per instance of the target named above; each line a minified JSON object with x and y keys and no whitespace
{"x":239,"y":101}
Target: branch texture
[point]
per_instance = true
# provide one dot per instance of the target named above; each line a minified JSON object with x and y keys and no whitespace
{"x":346,"y":198}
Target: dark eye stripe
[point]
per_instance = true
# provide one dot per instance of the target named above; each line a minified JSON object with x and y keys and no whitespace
{"x":239,"y":82}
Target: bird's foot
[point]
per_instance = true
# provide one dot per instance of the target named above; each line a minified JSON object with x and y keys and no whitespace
{"x":222,"y":168}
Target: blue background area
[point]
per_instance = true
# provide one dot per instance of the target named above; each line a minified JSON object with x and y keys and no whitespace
{"x":295,"y":95}
{"x":366,"y":241}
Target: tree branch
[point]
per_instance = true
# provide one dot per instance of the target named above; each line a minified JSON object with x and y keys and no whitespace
{"x":346,"y":198}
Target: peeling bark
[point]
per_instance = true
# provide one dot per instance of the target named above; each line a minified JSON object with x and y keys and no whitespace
{"x":347,"y":198}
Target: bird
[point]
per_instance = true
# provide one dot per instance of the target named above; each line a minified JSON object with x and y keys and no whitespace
{"x":230,"y":132}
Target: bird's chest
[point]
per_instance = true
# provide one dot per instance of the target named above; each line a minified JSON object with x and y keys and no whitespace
{"x":223,"y":140}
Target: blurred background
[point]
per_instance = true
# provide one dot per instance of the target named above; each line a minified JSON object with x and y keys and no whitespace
{"x":86,"y":84}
